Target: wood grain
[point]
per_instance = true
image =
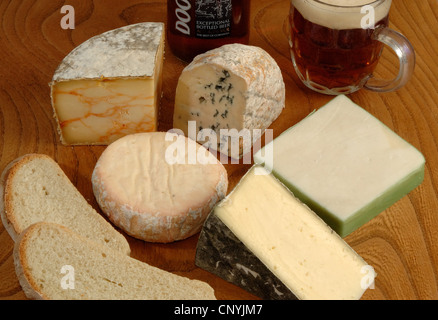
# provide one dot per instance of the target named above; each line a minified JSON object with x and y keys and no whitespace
{"x":401,"y":243}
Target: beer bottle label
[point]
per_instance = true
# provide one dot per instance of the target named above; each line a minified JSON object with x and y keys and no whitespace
{"x":213,"y":18}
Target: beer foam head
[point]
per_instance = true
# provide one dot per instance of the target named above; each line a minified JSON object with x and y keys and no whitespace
{"x":341,"y":14}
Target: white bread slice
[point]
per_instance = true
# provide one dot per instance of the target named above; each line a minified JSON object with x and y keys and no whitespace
{"x":95,"y":272}
{"x":34,"y":188}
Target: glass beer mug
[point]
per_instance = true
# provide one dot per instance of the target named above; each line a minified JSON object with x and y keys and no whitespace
{"x":336,"y":45}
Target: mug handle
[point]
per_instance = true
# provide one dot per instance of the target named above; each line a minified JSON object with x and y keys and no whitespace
{"x":406,"y":55}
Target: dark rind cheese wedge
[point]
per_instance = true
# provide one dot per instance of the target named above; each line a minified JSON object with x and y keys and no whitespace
{"x":220,"y":252}
{"x":264,"y":240}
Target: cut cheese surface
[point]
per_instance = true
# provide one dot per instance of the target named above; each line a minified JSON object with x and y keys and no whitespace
{"x":345,"y":164}
{"x":154,"y":194}
{"x":110,"y":85}
{"x":234,"y":87}
{"x":100,"y":111}
{"x":294,"y":244}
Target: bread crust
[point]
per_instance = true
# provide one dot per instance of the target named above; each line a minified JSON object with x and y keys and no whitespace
{"x":7,"y":210}
{"x":6,"y":193}
{"x":21,"y":267}
{"x":52,"y":233}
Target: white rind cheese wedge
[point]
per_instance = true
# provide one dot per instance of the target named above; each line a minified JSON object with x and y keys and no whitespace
{"x":110,"y":85}
{"x":262,"y":238}
{"x":345,"y":164}
{"x":154,"y":194}
{"x":232,"y":87}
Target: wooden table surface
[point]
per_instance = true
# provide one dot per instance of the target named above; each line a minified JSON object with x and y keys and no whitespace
{"x":401,"y":243}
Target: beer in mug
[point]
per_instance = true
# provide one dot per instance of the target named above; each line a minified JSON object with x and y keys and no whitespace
{"x":336,"y":45}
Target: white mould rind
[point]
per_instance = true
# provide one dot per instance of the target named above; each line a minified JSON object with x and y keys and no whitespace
{"x":129,"y":51}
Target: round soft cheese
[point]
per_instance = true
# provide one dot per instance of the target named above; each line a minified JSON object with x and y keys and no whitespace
{"x":158,"y":187}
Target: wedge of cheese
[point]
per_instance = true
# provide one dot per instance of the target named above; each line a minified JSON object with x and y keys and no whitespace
{"x":345,"y":164}
{"x":263,"y":239}
{"x":231,"y":91}
{"x":110,"y":85}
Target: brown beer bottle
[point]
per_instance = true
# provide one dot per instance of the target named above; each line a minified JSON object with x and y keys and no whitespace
{"x":196,"y":26}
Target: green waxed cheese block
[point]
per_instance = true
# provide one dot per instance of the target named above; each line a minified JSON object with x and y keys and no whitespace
{"x":364,"y":214}
{"x":344,"y":164}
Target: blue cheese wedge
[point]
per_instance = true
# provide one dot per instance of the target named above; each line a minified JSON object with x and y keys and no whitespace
{"x":345,"y":164}
{"x":263,"y":239}
{"x":110,"y":85}
{"x":234,"y":87}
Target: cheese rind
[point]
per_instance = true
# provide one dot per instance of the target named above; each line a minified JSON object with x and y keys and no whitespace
{"x":125,"y":52}
{"x":345,"y":164}
{"x":232,"y":87}
{"x":151,"y":198}
{"x":296,"y":246}
{"x":110,"y":85}
{"x":220,"y":252}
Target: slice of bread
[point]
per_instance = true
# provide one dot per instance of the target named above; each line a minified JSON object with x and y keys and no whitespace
{"x":55,"y":263}
{"x":34,"y":188}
